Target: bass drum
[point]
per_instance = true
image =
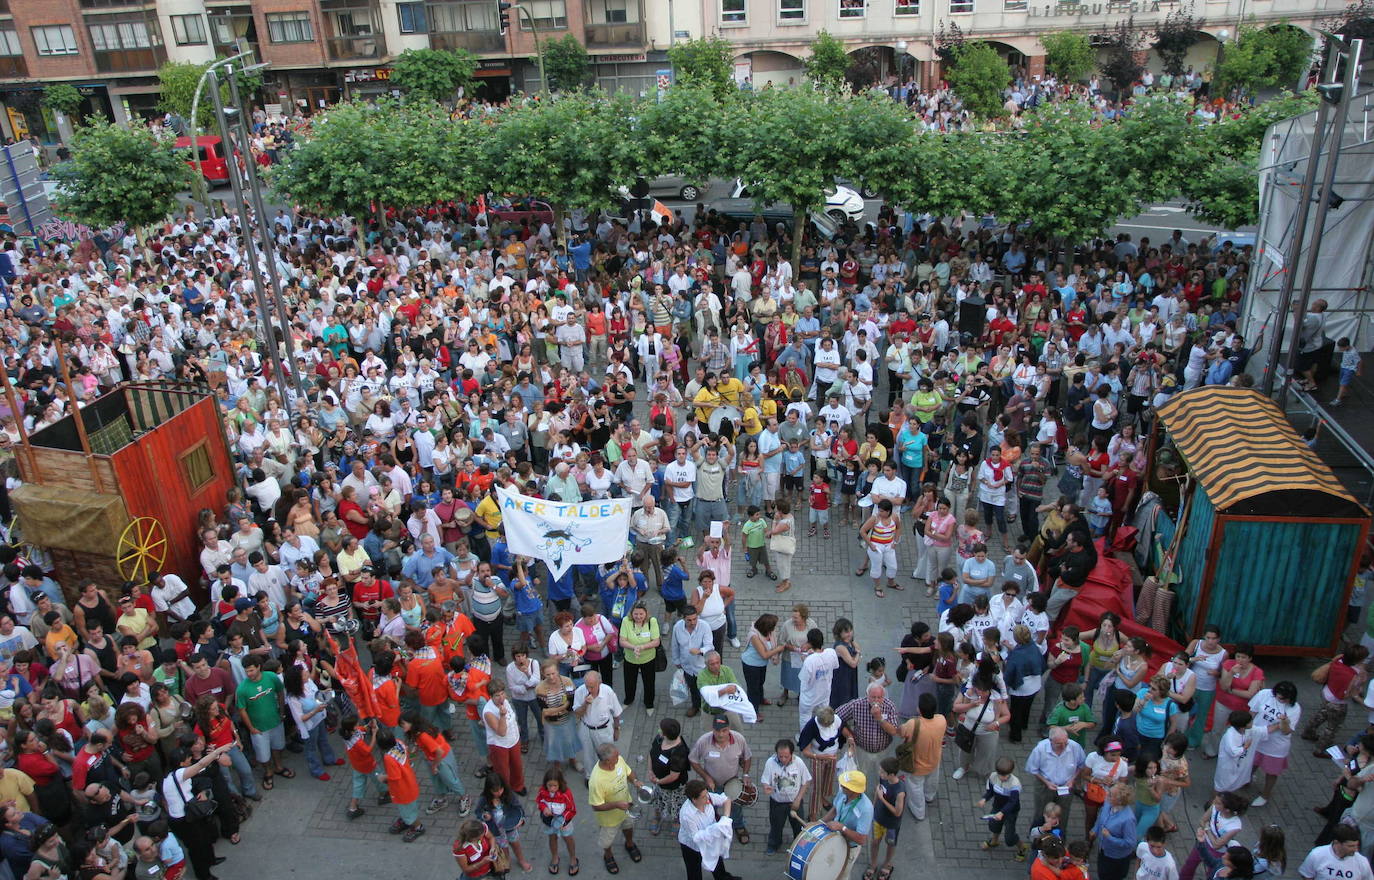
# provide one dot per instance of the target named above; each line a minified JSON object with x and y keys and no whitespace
{"x":720,"y":415}
{"x":817,"y":854}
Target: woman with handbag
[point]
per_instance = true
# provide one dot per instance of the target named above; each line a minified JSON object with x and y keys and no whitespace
{"x":1344,"y":675}
{"x":307,"y":705}
{"x":760,"y":649}
{"x":168,"y":716}
{"x":782,"y":545}
{"x":984,"y":709}
{"x":192,"y":815}
{"x":645,"y":656}
{"x":1103,"y":770}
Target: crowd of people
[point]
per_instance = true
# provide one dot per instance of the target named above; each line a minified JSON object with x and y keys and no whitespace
{"x":358,"y":603}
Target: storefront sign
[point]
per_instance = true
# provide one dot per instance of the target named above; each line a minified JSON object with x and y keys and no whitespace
{"x":1109,"y":8}
{"x":619,"y":59}
{"x":376,"y":74}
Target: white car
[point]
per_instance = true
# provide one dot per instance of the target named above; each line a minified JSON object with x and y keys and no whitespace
{"x":841,"y":204}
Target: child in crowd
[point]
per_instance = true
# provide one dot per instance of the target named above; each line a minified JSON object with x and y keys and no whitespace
{"x":849,"y":487}
{"x":1046,"y":830}
{"x":1002,"y":802}
{"x":1350,"y":368}
{"x":504,"y":815}
{"x":888,"y":803}
{"x":402,"y":785}
{"x":755,"y":531}
{"x":1100,"y":512}
{"x":820,"y":504}
{"x":361,"y":761}
{"x":556,"y":811}
{"x":1073,"y":714}
{"x":1156,"y":862}
{"x":945,"y":590}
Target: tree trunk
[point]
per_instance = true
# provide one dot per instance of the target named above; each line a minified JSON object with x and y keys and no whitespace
{"x":798,"y":229}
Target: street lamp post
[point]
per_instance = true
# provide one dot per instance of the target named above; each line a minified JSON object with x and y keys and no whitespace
{"x":902,"y":47}
{"x":201,"y":192}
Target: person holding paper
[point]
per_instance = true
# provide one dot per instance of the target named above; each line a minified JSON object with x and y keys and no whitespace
{"x":1055,"y":761}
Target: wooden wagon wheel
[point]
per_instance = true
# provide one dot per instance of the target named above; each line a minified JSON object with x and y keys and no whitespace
{"x":142,"y":548}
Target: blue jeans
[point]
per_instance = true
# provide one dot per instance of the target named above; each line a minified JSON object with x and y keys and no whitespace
{"x":730,"y":629}
{"x":318,"y":753}
{"x":245,"y":785}
{"x":523,"y":710}
{"x":479,"y":737}
{"x":447,"y":780}
{"x":360,"y":781}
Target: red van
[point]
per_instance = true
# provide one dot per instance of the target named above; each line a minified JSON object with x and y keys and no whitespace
{"x":212,"y":164}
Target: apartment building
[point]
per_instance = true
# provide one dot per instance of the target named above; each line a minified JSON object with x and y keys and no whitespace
{"x":321,"y":51}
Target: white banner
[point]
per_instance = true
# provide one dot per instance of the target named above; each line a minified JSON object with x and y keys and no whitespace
{"x":564,"y":535}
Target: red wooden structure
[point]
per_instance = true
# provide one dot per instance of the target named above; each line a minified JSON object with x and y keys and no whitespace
{"x":148,"y":454}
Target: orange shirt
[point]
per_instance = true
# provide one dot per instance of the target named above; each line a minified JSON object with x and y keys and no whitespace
{"x":471,"y":685}
{"x":387,"y":696}
{"x":400,"y":777}
{"x":426,"y":675}
{"x":360,"y":755}
{"x":596,"y":323}
{"x":434,"y":747}
{"x":455,"y":634}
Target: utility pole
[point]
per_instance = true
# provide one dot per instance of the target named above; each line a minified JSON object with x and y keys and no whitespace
{"x":198,"y":187}
{"x":539,"y":47}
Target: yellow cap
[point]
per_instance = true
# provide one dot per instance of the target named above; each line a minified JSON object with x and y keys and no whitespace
{"x":854,"y":780}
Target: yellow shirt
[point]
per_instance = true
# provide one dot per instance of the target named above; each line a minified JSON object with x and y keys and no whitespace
{"x":706,"y":396}
{"x":350,"y":563}
{"x":731,"y":391}
{"x":129,"y":624}
{"x":490,"y":511}
{"x":15,"y":785}
{"x":607,"y":786}
{"x":750,"y":421}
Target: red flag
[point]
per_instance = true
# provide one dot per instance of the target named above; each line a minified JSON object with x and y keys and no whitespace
{"x":481,"y":206}
{"x":353,"y":679}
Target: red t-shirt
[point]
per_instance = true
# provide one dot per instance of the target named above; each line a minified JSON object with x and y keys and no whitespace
{"x":820,"y":496}
{"x":360,"y":755}
{"x":356,"y":529}
{"x":374,"y":592}
{"x":475,"y":851}
{"x":426,"y":675}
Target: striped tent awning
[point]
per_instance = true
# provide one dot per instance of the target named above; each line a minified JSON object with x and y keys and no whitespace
{"x":1249,"y":459}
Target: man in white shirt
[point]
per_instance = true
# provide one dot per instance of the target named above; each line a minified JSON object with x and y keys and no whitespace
{"x":633,"y":474}
{"x":598,"y":710}
{"x":1339,"y":860}
{"x":888,"y":486}
{"x":827,"y":366}
{"x":1156,"y":862}
{"x":650,"y":525}
{"x":296,"y":547}
{"x":833,"y":412}
{"x":784,"y":780}
{"x":679,"y":481}
{"x":171,"y":596}
{"x":818,"y":669}
{"x":267,"y":578}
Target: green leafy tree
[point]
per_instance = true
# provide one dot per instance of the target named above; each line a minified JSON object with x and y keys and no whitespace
{"x":1174,"y":36}
{"x":120,"y":174}
{"x":1069,"y":57}
{"x":62,"y":97}
{"x":708,"y":62}
{"x":1356,"y":21}
{"x":177,"y":83}
{"x":566,"y":63}
{"x":788,"y":145}
{"x":828,"y":63}
{"x":1264,"y":59}
{"x":688,"y":132}
{"x":978,"y":75}
{"x":361,"y":158}
{"x":575,"y":152}
{"x":433,"y":74}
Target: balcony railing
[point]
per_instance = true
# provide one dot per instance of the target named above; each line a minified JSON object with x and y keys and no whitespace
{"x":358,"y":48}
{"x":13,"y":66}
{"x":615,"y":35}
{"x":473,"y":41}
{"x":129,"y":60}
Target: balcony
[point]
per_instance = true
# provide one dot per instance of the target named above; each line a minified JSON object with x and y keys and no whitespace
{"x":473,"y":41}
{"x":13,"y":67}
{"x":129,"y":60}
{"x":615,"y":36}
{"x":359,"y":48}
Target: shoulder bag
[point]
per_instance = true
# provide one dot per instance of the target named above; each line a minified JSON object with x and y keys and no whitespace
{"x":196,"y":809}
{"x":964,"y":736}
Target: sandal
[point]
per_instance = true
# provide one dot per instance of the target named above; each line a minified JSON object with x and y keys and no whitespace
{"x":286,"y":773}
{"x":635,"y":855}
{"x":878,"y":591}
{"x":885,"y":872}
{"x":611,"y":866}
{"x":783,"y":587}
{"x":743,"y":836}
{"x":893,"y":585}
{"x":267,"y":782}
{"x":553,"y":867}
{"x":573,"y":867}
{"x":871,"y":873}
{"x":234,"y":838}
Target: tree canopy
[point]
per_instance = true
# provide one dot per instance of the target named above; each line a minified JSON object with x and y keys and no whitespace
{"x":433,"y":74}
{"x":708,"y":62}
{"x":177,"y":83}
{"x":120,"y":174}
{"x":1264,"y":59}
{"x":978,"y":75}
{"x":566,"y":63}
{"x":1069,"y":57}
{"x":828,"y":63}
{"x":62,"y":97}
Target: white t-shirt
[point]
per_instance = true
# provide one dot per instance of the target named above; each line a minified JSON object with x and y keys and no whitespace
{"x":1268,"y":710}
{"x":816,"y":672}
{"x":786,"y":782}
{"x":1322,"y":863}
{"x":491,"y":713}
{"x":1152,"y":868}
{"x":686,"y":472}
{"x":990,"y":495}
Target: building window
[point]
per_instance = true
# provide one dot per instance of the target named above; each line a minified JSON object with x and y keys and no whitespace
{"x":791,"y":11}
{"x":413,"y":18}
{"x":452,"y":18}
{"x":188,"y":30}
{"x":960,"y":7}
{"x":9,"y":43}
{"x":618,"y":12}
{"x":1016,"y":5}
{"x":547,"y":14}
{"x":58,"y":39}
{"x":290,"y":27}
{"x":122,"y":35}
{"x":907,"y":7}
{"x":734,"y":12}
{"x":196,"y":467}
{"x":853,"y":8}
